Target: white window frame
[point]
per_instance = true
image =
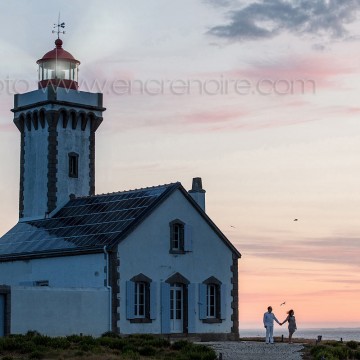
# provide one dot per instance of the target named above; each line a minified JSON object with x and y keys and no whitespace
{"x":177,"y":240}
{"x":177,"y":237}
{"x":140,"y":300}
{"x":211,"y":301}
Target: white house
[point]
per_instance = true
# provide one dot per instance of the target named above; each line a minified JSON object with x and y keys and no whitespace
{"x":141,"y":261}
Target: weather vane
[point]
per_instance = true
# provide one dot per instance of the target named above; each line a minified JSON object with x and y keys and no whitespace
{"x":59,"y":27}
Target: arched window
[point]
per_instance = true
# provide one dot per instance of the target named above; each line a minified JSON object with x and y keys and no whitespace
{"x":140,"y":299}
{"x":180,"y":237}
{"x":212,"y":300}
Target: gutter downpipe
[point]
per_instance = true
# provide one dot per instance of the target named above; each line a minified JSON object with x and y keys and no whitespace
{"x":108,"y":286}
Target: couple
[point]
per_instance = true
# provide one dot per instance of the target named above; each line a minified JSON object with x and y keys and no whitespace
{"x":269,"y":318}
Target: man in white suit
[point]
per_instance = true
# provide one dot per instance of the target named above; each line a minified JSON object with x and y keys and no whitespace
{"x":269,"y":318}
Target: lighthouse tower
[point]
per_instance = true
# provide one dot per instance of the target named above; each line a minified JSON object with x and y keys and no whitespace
{"x":57,"y":123}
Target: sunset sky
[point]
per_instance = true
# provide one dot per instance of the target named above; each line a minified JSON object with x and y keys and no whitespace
{"x":259,"y":98}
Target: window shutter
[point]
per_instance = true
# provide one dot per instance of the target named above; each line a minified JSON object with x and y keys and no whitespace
{"x":130,"y":300}
{"x":188,"y":246}
{"x":191,"y":308}
{"x":223,"y":298}
{"x":2,"y":314}
{"x":202,"y":301}
{"x":153,"y":300}
{"x":171,"y":235}
{"x":165,"y":308}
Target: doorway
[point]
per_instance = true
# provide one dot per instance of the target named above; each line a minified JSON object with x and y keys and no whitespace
{"x":177,"y":308}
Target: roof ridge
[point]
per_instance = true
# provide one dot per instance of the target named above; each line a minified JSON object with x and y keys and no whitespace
{"x":128,"y":191}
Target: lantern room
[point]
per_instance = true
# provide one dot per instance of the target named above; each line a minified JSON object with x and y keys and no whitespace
{"x":58,"y":68}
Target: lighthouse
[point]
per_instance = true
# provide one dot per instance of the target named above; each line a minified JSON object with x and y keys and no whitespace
{"x":147,"y":260}
{"x":57,"y":124}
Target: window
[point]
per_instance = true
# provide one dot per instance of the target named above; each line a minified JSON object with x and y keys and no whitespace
{"x":140,"y":299}
{"x":212,"y":301}
{"x":73,"y":165}
{"x":180,"y":237}
{"x":177,"y":241}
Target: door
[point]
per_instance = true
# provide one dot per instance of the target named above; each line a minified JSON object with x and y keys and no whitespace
{"x":176,"y":308}
{"x":2,"y":315}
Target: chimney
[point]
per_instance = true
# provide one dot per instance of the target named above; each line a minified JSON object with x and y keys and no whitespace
{"x":197,"y":192}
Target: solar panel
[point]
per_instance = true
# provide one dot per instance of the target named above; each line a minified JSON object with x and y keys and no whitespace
{"x":83,"y":223}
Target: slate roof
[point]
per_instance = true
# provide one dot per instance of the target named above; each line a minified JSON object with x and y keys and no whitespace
{"x":87,"y":224}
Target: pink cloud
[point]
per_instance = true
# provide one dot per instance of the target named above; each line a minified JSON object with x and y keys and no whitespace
{"x":344,"y":110}
{"x":315,"y":67}
{"x":212,"y":121}
{"x":300,"y":72}
{"x":304,"y":75}
{"x":338,"y":250}
{"x":353,"y":110}
{"x":213,"y":117}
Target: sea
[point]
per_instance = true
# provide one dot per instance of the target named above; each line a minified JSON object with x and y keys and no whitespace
{"x":346,"y":334}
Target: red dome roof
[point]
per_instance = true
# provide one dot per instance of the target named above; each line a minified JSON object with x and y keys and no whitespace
{"x":58,"y":53}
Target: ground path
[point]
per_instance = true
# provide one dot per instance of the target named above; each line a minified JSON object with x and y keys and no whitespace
{"x":252,"y":350}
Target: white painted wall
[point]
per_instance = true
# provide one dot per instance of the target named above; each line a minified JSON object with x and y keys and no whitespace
{"x":59,"y":312}
{"x":36,"y":167}
{"x":35,"y":174}
{"x":62,"y":94}
{"x":32,"y":97}
{"x":85,"y":271}
{"x":79,"y":97}
{"x":146,"y":251}
{"x":36,"y":151}
{"x":72,"y":140}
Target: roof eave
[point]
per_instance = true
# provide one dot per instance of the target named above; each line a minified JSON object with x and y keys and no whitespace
{"x":210,"y":222}
{"x":49,"y":254}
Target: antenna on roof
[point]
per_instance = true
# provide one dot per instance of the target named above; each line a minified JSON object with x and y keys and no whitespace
{"x":59,"y":27}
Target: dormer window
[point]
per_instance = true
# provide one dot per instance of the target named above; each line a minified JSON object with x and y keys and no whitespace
{"x":73,"y":165}
{"x":180,"y":237}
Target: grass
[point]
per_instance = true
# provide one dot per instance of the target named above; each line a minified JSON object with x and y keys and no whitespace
{"x":332,"y":350}
{"x":108,"y":347}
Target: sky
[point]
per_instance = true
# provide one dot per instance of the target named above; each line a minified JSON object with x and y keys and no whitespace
{"x":259,"y":98}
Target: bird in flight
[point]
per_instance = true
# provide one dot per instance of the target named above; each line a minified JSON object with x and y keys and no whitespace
{"x":295,"y":219}
{"x":283,"y":303}
{"x":232,"y":226}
